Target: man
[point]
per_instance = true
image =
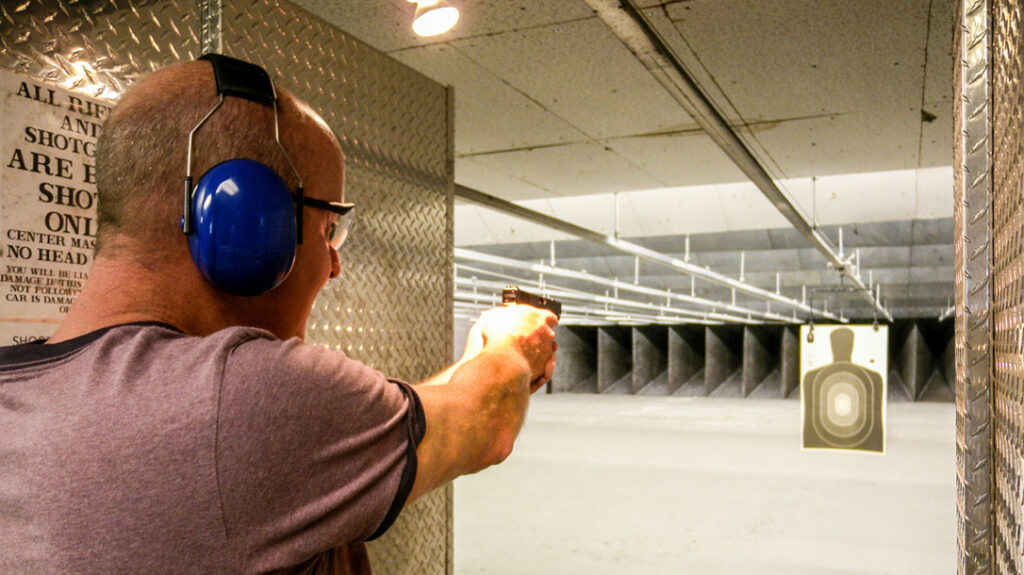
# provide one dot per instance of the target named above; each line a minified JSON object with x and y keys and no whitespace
{"x":169,"y":426}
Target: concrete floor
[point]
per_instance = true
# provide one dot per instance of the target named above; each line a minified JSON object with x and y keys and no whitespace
{"x":661,"y":485}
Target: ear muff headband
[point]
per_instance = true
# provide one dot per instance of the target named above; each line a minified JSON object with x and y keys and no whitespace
{"x":240,"y":219}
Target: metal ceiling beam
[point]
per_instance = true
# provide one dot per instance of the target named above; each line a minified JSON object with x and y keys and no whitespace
{"x":631,"y":26}
{"x":635,"y":250}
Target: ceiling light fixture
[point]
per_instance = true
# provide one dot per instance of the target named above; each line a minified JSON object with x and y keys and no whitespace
{"x":433,"y":17}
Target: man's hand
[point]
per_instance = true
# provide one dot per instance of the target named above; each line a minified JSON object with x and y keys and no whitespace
{"x":475,"y":408}
{"x":529,"y":330}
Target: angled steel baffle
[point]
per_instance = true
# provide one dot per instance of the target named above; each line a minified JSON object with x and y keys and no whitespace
{"x":685,"y":360}
{"x":723,"y":361}
{"x":650,"y":360}
{"x":615,"y":360}
{"x":576,"y":368}
{"x":631,"y":26}
{"x":789,"y":363}
{"x":761,"y":358}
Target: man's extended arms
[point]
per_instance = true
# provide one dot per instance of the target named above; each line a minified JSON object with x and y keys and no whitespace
{"x":475,"y":408}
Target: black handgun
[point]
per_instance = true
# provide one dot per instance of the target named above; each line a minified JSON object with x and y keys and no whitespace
{"x":513,"y":295}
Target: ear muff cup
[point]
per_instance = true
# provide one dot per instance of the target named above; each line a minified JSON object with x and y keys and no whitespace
{"x":244,"y":227}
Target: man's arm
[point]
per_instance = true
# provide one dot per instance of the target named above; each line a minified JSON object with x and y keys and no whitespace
{"x":474,"y":344}
{"x":475,"y":408}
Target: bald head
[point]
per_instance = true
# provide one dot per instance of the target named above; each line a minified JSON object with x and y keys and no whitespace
{"x":141,"y":155}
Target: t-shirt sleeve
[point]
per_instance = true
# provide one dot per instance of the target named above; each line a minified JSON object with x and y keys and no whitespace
{"x":314,"y":450}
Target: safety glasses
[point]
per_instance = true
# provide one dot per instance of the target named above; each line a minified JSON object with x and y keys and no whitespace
{"x":338,"y":231}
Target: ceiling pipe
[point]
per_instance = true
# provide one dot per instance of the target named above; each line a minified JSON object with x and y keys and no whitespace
{"x":471,"y":280}
{"x":740,"y":313}
{"x":471,"y":311}
{"x":633,"y":249}
{"x":572,"y":313}
{"x":564,"y":295}
{"x":719,"y":310}
{"x":616,"y":285}
{"x":631,"y":26}
{"x":583,"y":315}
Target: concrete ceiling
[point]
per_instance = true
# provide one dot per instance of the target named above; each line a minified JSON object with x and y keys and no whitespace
{"x":847,"y":105}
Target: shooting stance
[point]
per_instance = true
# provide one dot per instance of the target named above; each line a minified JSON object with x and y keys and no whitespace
{"x":175,"y":422}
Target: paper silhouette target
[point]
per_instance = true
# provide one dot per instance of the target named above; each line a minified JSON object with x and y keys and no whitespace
{"x":843,"y":386}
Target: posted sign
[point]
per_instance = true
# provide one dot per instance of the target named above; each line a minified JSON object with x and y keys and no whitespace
{"x":47,"y":202}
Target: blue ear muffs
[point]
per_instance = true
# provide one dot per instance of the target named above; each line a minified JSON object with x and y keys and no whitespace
{"x":241,"y":219}
{"x":243,"y":227}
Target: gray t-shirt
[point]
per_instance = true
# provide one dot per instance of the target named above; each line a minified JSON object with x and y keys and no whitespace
{"x":137,"y":449}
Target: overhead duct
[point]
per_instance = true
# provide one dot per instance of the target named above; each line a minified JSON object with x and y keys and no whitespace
{"x":636,"y":32}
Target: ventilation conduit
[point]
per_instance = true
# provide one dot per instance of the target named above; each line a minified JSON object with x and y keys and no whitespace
{"x":631,"y":26}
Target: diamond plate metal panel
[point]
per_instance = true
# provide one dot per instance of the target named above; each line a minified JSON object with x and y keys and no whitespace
{"x":1008,"y":286}
{"x":973,"y":332}
{"x":97,"y":48}
{"x":391,"y":308}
